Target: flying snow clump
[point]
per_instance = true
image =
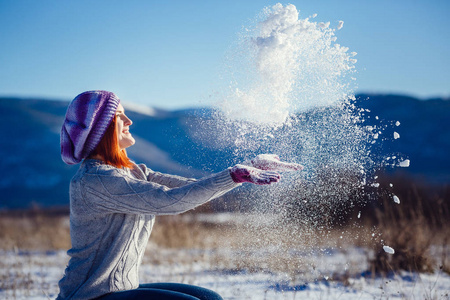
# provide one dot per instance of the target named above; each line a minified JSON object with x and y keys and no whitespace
{"x":388,"y":249}
{"x":396,"y":199}
{"x":404,"y":163}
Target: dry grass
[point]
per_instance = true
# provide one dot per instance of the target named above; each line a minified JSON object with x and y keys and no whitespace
{"x":411,"y":239}
{"x":34,"y":230}
{"x":417,"y":228}
{"x":261,"y":246}
{"x":247,"y":243}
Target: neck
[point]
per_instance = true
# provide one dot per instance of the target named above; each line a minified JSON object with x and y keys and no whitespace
{"x":96,"y":156}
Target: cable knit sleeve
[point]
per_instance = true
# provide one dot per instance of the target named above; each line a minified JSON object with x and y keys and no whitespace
{"x":171,"y":181}
{"x":110,"y":189}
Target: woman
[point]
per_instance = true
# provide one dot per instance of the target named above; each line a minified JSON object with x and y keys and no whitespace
{"x":113,"y":203}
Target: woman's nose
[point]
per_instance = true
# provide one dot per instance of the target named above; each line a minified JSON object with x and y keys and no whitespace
{"x":128,"y":121}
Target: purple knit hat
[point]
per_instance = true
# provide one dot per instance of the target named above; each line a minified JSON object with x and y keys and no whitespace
{"x":87,"y":118}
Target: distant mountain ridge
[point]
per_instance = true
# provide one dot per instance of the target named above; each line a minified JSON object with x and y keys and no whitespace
{"x":33,"y":171}
{"x":424,"y":131}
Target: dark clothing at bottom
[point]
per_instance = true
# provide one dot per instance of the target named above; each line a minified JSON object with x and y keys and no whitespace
{"x":164,"y":291}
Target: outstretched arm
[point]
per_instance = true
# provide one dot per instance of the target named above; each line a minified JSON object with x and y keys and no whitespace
{"x":109,"y":189}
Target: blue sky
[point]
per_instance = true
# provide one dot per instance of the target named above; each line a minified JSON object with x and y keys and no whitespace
{"x":169,"y":54}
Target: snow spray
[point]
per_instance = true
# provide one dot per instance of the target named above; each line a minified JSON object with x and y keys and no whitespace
{"x":286,"y":65}
{"x":289,"y":91}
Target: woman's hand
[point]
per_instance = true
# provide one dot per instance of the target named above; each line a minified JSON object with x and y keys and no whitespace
{"x":241,"y":173}
{"x":273,"y":163}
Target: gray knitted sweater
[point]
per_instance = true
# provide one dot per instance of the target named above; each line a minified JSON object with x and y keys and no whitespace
{"x":112,"y":213}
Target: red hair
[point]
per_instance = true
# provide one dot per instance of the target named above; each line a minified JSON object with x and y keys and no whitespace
{"x":109,"y":149}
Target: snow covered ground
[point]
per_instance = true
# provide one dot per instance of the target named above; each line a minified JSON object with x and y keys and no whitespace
{"x":35,"y":275}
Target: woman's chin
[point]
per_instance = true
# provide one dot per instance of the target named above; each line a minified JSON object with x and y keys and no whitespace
{"x":127,"y":143}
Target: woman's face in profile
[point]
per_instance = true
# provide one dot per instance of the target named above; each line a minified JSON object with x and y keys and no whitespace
{"x":123,"y":124}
